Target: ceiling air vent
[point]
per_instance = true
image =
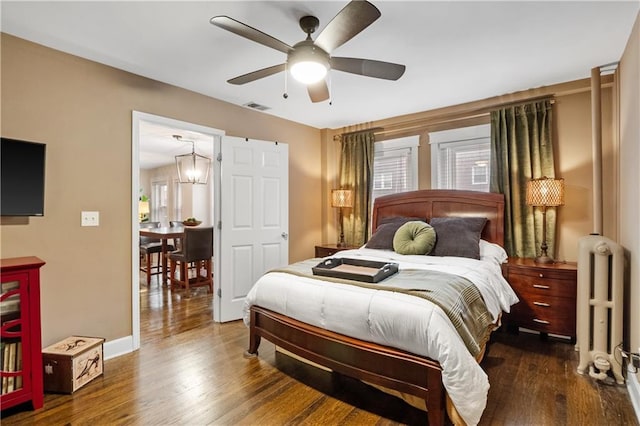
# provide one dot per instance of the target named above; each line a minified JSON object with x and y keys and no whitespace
{"x":254,"y":105}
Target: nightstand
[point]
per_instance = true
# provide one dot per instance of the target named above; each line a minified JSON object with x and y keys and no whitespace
{"x":326,"y":250}
{"x":547,"y":294}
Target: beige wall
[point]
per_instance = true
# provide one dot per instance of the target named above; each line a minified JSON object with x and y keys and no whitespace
{"x":82,"y":111}
{"x":574,"y":163}
{"x":629,"y":72}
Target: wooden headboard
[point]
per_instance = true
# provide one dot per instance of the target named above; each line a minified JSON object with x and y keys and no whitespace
{"x":429,"y":203}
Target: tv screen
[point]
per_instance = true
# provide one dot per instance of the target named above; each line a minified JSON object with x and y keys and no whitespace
{"x":21,"y":178}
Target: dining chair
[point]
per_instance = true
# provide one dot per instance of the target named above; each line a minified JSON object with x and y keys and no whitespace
{"x":197,"y":247}
{"x":177,"y":242}
{"x":148,"y":247}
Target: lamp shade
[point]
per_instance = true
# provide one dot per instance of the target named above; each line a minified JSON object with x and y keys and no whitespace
{"x":341,"y":198}
{"x":143,"y":207}
{"x":545,"y":191}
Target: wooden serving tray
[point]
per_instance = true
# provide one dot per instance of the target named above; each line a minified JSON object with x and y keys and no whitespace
{"x":355,"y":269}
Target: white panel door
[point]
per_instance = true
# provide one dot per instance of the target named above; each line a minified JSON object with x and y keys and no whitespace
{"x":254,"y":215}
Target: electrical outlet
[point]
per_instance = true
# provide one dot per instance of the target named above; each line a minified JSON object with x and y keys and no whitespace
{"x":90,"y":219}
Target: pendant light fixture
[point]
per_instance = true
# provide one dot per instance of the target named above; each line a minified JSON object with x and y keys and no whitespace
{"x":192,"y":168}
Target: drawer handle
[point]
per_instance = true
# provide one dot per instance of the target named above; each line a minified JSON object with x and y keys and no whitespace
{"x":546,"y":287}
{"x":540,"y":321}
{"x":546,"y":305}
{"x":541,"y":275}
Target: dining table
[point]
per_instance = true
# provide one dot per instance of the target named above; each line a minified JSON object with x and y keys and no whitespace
{"x":164,"y":233}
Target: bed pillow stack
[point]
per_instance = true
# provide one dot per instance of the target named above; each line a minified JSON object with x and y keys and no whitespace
{"x":382,"y":239}
{"x":442,"y":236}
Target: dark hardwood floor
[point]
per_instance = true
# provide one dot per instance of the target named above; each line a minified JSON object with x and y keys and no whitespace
{"x":191,"y":371}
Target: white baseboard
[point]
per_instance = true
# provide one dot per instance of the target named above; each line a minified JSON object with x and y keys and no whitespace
{"x":633,"y":385}
{"x":115,"y":348}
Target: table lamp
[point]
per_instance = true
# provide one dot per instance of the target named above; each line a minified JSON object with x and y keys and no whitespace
{"x":341,"y":198}
{"x":545,"y":192}
{"x":143,"y":210}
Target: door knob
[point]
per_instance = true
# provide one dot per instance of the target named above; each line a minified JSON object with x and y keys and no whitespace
{"x":284,"y":235}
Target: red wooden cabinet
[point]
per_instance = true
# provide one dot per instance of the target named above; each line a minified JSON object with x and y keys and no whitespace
{"x":20,"y":341}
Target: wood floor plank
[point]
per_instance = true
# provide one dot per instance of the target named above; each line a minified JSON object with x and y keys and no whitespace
{"x":191,"y":371}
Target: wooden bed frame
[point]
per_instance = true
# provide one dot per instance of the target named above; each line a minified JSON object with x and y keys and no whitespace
{"x":377,"y":364}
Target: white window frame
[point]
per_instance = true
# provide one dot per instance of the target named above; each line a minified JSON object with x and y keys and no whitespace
{"x":406,"y":146}
{"x":177,"y":200}
{"x":455,"y":138}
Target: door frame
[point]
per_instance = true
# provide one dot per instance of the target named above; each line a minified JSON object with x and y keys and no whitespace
{"x":217,"y":134}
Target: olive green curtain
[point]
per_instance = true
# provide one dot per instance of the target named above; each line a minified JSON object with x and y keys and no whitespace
{"x":356,"y":173}
{"x":521,"y":149}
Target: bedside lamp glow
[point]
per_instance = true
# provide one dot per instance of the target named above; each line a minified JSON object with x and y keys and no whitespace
{"x":341,"y":198}
{"x":545,"y":192}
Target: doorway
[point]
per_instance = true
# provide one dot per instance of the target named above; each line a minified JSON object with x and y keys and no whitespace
{"x":161,"y":129}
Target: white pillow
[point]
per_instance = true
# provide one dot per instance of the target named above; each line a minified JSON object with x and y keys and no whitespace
{"x":492,"y":252}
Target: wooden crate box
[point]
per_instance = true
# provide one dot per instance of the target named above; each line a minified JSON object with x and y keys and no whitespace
{"x":72,"y":363}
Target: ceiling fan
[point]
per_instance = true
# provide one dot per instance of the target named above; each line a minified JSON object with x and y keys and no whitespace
{"x":310,"y":60}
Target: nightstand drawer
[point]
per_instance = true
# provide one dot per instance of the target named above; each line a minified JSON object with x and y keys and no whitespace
{"x":553,"y":315}
{"x":544,"y":273}
{"x":535,"y":286}
{"x":327,"y":250}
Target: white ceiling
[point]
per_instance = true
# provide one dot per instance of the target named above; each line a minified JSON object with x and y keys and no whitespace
{"x":455,"y":52}
{"x":159,"y":146}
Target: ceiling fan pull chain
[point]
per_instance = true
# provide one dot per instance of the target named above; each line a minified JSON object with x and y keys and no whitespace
{"x":285,"y":94}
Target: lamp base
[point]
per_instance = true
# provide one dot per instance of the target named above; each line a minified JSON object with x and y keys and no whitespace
{"x":543,"y":260}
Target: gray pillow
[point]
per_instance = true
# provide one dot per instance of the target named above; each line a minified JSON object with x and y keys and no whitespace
{"x":414,"y":238}
{"x":382,"y":239}
{"x":458,"y":236}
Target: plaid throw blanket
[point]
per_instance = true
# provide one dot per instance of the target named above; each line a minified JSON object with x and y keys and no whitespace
{"x":458,"y":297}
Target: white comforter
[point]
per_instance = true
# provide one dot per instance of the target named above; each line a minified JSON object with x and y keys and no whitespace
{"x":395,"y":319}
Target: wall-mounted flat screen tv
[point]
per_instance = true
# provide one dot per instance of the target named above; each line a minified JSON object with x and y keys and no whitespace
{"x":21,"y":178}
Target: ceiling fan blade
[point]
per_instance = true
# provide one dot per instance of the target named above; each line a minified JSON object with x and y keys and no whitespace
{"x":368,"y":67}
{"x":255,"y":75}
{"x":318,"y":92}
{"x":353,"y":18}
{"x":244,"y":30}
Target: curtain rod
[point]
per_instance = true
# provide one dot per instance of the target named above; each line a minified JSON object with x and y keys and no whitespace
{"x":525,"y":101}
{"x":420,"y":123}
{"x":355,"y":132}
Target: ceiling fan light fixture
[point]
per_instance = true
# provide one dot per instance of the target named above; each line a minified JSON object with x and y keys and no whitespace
{"x":308,"y":63}
{"x":308,"y":72}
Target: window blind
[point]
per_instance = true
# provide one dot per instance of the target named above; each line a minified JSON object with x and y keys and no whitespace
{"x":391,"y":172}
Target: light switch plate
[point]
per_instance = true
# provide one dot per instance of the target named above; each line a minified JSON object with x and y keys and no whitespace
{"x":90,"y":219}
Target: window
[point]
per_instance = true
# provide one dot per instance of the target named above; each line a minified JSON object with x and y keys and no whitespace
{"x":159,"y":202}
{"x":395,"y":166}
{"x":461,"y":158}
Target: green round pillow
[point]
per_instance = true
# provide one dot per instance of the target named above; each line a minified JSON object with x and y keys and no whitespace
{"x":414,"y":238}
